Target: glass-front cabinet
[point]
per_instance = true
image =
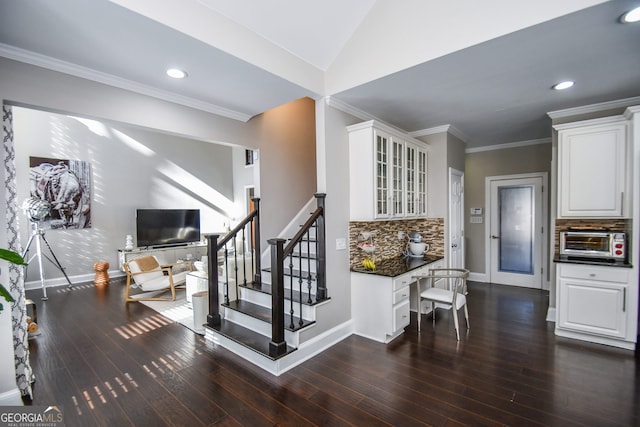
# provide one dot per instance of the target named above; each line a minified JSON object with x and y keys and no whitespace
{"x":388,"y":173}
{"x":382,"y":175}
{"x":398,"y":177}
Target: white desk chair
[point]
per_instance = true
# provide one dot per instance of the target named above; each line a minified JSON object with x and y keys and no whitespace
{"x":447,"y":288}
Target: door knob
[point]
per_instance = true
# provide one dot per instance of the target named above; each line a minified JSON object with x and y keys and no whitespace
{"x":495,"y":237}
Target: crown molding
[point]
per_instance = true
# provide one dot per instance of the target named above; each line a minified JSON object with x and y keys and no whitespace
{"x":509,"y":145}
{"x":631,"y":111}
{"x":439,"y":129}
{"x":53,"y":64}
{"x":593,"y":108}
{"x":349,"y":109}
{"x":356,"y":112}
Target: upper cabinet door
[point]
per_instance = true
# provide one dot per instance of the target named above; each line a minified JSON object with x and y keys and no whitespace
{"x":421,"y":174}
{"x":382,"y":194}
{"x":411,"y":172}
{"x":398,"y":183}
{"x":592,"y":172}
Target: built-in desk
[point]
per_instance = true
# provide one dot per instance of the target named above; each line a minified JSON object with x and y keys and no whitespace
{"x":380,"y":299}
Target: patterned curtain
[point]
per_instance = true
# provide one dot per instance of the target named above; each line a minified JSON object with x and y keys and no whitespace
{"x":24,"y":374}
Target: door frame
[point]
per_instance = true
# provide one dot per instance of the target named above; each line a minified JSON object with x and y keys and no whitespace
{"x":459,"y":173}
{"x":544,"y":243}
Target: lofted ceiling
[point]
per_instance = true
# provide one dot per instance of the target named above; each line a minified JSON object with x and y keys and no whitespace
{"x":483,"y":68}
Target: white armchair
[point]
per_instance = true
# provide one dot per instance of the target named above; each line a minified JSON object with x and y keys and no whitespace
{"x":153,"y":280}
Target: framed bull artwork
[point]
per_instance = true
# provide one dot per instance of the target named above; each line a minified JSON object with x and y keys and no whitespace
{"x":65,"y":185}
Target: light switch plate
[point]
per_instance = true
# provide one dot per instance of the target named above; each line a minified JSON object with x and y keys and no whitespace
{"x":475,"y":220}
{"x":341,"y":244}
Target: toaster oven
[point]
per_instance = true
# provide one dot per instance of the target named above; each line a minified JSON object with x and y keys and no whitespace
{"x":593,"y":244}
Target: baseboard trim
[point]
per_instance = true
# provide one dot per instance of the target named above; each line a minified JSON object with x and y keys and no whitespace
{"x":11,"y":398}
{"x":304,"y":352}
{"x":551,"y":314}
{"x":627,"y":345}
{"x":61,"y":281}
{"x":478,"y":277}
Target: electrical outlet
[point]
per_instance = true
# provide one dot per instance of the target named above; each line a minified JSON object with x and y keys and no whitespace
{"x":341,"y":244}
{"x":400,"y":235}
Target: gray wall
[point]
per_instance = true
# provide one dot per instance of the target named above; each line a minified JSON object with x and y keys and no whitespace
{"x":478,"y":166}
{"x":335,"y":147}
{"x":31,"y":86}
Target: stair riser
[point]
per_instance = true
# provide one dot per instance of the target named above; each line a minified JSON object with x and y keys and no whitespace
{"x":266,"y":278}
{"x":260,"y":298}
{"x":257,"y":325}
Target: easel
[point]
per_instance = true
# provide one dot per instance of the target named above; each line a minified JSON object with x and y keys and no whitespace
{"x":37,"y":234}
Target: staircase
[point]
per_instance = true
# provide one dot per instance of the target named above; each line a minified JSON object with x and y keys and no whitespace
{"x":259,"y":313}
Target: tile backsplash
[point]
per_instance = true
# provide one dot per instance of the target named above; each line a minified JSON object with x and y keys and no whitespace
{"x":385,"y":237}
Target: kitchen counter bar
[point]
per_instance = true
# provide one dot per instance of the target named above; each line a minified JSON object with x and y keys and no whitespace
{"x":398,"y":266}
{"x":592,"y":261}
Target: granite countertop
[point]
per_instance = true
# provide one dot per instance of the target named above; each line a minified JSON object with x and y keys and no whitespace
{"x":393,"y":267}
{"x":592,"y":261}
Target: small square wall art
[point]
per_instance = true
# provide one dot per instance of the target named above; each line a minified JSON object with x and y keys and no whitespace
{"x":65,"y":188}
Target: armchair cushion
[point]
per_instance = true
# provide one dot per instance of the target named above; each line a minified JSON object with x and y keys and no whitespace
{"x":144,"y":270}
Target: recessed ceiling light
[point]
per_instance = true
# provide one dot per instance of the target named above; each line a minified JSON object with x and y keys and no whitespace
{"x":176,"y":73}
{"x":631,"y":16}
{"x":563,"y":85}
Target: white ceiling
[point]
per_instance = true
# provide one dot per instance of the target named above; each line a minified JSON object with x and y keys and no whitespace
{"x":485,"y":70}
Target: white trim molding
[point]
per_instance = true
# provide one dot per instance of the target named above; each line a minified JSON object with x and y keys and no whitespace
{"x":593,"y":108}
{"x":50,"y":63}
{"x":509,"y":145}
{"x":439,"y":129}
{"x":350,"y":109}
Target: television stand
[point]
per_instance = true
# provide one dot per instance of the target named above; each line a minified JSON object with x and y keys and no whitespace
{"x":165,"y":255}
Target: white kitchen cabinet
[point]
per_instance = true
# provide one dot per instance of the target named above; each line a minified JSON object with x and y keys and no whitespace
{"x":381,"y":305}
{"x":388,"y":173}
{"x":595,"y":304}
{"x":592,"y":168}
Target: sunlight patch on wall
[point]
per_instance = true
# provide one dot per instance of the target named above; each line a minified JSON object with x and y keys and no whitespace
{"x":187,"y":180}
{"x":94,"y":126}
{"x":133,"y":144}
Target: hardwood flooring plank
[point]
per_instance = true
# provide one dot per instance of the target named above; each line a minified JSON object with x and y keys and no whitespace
{"x":508,"y":369}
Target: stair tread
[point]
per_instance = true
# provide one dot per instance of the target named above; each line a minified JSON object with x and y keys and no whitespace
{"x":264,"y":314}
{"x":265,"y":288}
{"x":248,"y":338}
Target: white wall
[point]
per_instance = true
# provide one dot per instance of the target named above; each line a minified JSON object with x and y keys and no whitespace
{"x":130,"y":168}
{"x":335,"y":147}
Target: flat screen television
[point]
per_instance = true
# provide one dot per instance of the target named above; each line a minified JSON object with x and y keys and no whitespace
{"x":167,"y":227}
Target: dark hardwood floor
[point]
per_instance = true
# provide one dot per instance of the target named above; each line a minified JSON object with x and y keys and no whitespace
{"x":111,"y":364}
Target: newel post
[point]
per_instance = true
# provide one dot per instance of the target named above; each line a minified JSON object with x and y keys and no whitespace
{"x":322,"y":249}
{"x":213,"y":318}
{"x":257,"y":278}
{"x":278,"y":345}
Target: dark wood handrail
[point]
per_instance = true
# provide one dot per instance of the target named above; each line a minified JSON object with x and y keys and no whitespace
{"x":279,"y":253}
{"x":288,"y":250}
{"x":215,"y":245}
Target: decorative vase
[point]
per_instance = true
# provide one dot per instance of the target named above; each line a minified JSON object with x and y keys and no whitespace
{"x":128,"y":244}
